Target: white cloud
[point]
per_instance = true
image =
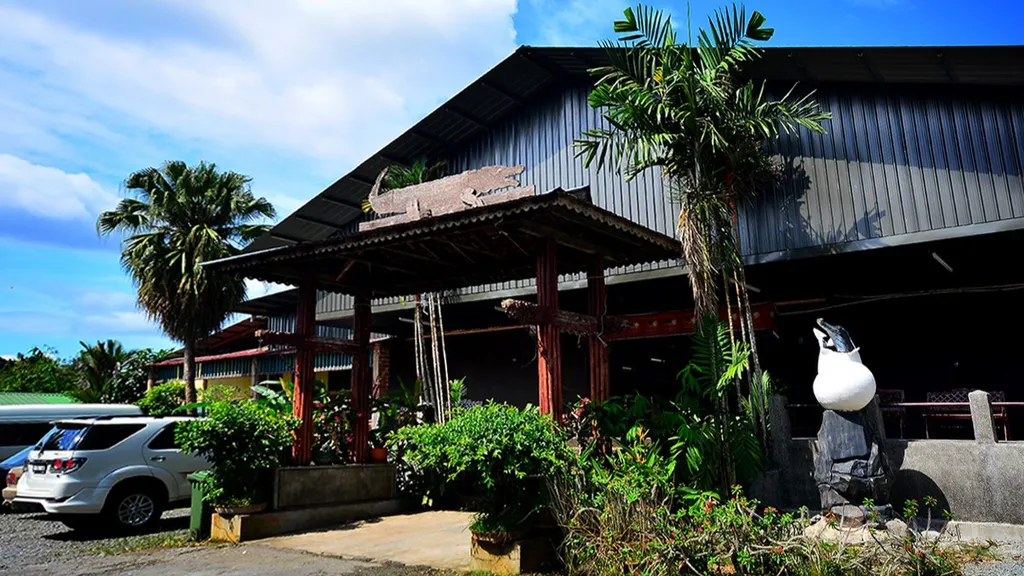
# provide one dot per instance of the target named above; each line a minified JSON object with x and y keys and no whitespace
{"x":120,"y":322}
{"x":107,"y":300}
{"x":50,"y":192}
{"x":328,"y":79}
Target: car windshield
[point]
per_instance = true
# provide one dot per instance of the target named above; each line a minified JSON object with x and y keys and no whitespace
{"x":63,"y":437}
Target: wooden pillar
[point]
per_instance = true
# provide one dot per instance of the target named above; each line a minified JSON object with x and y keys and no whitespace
{"x":362,"y":379}
{"x":549,"y":357}
{"x":597,"y":295}
{"x":302,"y":403}
{"x":381,"y":369}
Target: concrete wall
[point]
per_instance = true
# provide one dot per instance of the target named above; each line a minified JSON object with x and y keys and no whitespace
{"x":978,"y":482}
{"x":302,"y":486}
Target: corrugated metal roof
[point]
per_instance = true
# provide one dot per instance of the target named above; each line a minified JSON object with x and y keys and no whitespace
{"x":25,"y":398}
{"x":531,"y":72}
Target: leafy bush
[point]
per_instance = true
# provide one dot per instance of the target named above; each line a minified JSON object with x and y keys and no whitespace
{"x":612,"y":530}
{"x":243,"y":442}
{"x":38,"y":371}
{"x":498,"y":450}
{"x":164,"y":399}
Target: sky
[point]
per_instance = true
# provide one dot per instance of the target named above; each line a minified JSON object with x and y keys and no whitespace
{"x":291,"y":92}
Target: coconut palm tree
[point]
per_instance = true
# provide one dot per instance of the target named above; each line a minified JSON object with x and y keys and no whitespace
{"x":99,"y":366}
{"x":688,"y":110}
{"x":177,"y":218}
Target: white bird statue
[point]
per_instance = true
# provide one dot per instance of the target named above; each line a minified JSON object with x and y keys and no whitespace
{"x":843,"y":383}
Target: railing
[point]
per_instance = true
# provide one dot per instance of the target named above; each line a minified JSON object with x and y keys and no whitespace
{"x":983,"y":414}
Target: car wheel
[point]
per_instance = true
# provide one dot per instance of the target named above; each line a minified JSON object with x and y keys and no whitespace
{"x":133,"y":509}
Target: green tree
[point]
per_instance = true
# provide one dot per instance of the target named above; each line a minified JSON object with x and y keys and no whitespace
{"x":99,"y":368}
{"x":687,"y":110}
{"x":177,"y":218}
{"x":38,"y":371}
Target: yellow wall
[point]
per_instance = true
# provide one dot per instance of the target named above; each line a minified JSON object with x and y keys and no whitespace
{"x":242,"y":383}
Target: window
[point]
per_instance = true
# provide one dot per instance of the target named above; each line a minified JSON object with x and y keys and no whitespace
{"x":107,"y":435}
{"x":165,"y":439}
{"x":65,"y":437}
{"x":89,"y":437}
{"x":22,"y":434}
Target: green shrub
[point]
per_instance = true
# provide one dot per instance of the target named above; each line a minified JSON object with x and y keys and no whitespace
{"x":243,"y":442}
{"x":164,"y":399}
{"x":500,"y":451}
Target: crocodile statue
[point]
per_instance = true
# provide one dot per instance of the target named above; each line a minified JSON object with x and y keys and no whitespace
{"x":444,"y":195}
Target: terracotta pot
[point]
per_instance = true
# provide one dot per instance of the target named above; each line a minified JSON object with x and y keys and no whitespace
{"x":240,"y":509}
{"x":378,"y":455}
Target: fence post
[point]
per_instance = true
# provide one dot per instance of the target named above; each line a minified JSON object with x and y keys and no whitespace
{"x":981,"y":417}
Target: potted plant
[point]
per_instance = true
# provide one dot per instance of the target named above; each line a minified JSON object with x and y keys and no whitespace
{"x":243,"y":441}
{"x":388,"y":416}
{"x":499,"y":453}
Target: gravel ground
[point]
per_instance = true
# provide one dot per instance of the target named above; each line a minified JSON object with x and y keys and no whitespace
{"x":1011,"y":563}
{"x":36,"y":538}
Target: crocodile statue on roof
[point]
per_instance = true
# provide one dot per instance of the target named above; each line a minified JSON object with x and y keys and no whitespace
{"x":470,"y":189}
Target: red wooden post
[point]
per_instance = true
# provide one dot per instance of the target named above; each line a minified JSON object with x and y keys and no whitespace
{"x":362,"y":378}
{"x":302,"y":403}
{"x":600,"y":385}
{"x":549,"y":357}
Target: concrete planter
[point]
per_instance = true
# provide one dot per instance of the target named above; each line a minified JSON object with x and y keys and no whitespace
{"x":523,"y":555}
{"x":305,"y":486}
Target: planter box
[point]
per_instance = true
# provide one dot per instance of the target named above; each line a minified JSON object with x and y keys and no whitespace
{"x":526,"y":556}
{"x":246,"y":527}
{"x":305,"y":486}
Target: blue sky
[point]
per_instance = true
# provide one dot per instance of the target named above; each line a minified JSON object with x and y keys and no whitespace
{"x":291,"y":92}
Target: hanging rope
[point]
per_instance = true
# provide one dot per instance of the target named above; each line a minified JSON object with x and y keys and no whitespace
{"x":444,"y":360}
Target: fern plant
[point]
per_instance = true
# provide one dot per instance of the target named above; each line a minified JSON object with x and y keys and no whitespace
{"x":717,"y":434}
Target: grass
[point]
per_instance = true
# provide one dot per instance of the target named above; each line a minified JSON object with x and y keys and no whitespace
{"x":146,"y":542}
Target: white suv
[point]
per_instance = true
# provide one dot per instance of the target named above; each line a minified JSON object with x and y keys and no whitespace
{"x":128,"y":470}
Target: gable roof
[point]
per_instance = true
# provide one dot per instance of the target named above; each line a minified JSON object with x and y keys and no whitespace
{"x":531,"y":72}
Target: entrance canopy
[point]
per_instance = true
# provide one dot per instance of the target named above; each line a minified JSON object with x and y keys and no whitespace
{"x":478,"y":246}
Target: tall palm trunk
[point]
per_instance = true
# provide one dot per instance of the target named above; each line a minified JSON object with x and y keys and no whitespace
{"x":190,"y":375}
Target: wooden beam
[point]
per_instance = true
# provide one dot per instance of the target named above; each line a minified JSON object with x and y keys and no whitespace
{"x":504,"y":93}
{"x":467,"y":117}
{"x":410,"y":254}
{"x":317,"y":343}
{"x":285,"y":237}
{"x":318,"y":221}
{"x":345,"y":270}
{"x":359,"y":179}
{"x":341,"y":202}
{"x":679,"y":322}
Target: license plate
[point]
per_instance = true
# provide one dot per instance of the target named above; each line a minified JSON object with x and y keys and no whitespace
{"x":38,"y":468}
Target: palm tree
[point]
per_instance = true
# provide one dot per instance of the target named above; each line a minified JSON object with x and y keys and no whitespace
{"x":100,"y":365}
{"x":688,"y":111}
{"x":179,"y":217}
